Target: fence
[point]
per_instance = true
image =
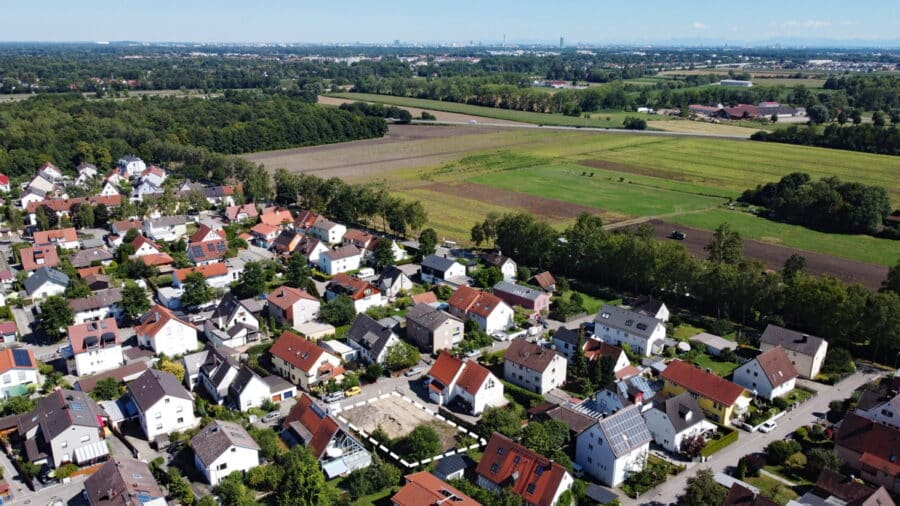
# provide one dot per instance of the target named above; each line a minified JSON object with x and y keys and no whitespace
{"x":715,"y":445}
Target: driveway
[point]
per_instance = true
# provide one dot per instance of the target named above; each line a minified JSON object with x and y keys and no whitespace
{"x":668,"y":492}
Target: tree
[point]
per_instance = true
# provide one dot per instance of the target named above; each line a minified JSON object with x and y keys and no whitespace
{"x":487,"y":277}
{"x":196,"y":290}
{"x":56,"y":316}
{"x":838,"y":361}
{"x":725,"y":245}
{"x":179,"y":488}
{"x":427,"y":242}
{"x":535,"y":436}
{"x":298,"y":272}
{"x":506,"y":421}
{"x":892,"y":282}
{"x":77,"y":288}
{"x":84,"y":216}
{"x":338,"y":311}
{"x":777,"y":452}
{"x":421,"y":443}
{"x":106,"y":389}
{"x":134,"y":300}
{"x":401,"y":356}
{"x":270,"y":445}
{"x":702,"y":490}
{"x":817,"y":114}
{"x":303,"y":483}
{"x":252,"y":281}
{"x":265,"y":477}
{"x":373,"y":372}
{"x":793,"y":266}
{"x":692,"y":446}
{"x":383,"y":256}
{"x":818,"y":459}
{"x":878,"y":118}
{"x":232,"y":491}
{"x":477,"y":234}
{"x":172,"y":367}
{"x":604,"y":372}
{"x":632,"y":123}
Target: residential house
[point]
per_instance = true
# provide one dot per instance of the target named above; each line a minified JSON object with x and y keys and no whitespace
{"x":566,"y":342}
{"x":617,"y":325}
{"x":452,"y":467}
{"x":806,"y":352}
{"x":881,"y":405}
{"x":92,"y":256}
{"x":304,"y":221}
{"x":871,"y":449}
{"x":38,"y":257}
{"x":371,"y":339}
{"x":337,"y":348}
{"x":507,"y":265}
{"x":771,"y":374}
{"x":433,"y":330}
{"x":630,"y":391}
{"x":143,"y":189}
{"x":576,"y":421}
{"x":31,"y":198}
{"x":739,"y":495}
{"x":718,"y":397}
{"x":544,"y":280}
{"x":465,"y":383}
{"x":311,"y":248}
{"x":287,"y":241}
{"x":615,"y":447}
{"x":392,"y":281}
{"x":425,"y":488}
{"x":533,"y":367}
{"x":835,"y":488}
{"x":292,"y":306}
{"x":63,"y":427}
{"x":94,"y":347}
{"x":327,"y":230}
{"x":100,"y":306}
{"x":534,"y":301}
{"x":62,"y":207}
{"x":65,"y":238}
{"x":232,"y":323}
{"x":207,"y":246}
{"x":250,"y":390}
{"x":241,"y":214}
{"x":124,"y":374}
{"x":130,"y":166}
{"x":46,"y":282}
{"x":332,"y":444}
{"x":364,"y":295}
{"x":222,"y":448}
{"x":123,"y":226}
{"x":398,"y":253}
{"x":166,"y":228}
{"x":338,"y":260}
{"x":109,"y":190}
{"x":424,"y":298}
{"x":163,"y":404}
{"x":9,"y":332}
{"x":651,"y":307}
{"x":488,"y":311}
{"x":264,"y":235}
{"x":217,"y":372}
{"x":18,"y":370}
{"x":220,"y":195}
{"x":4,"y":183}
{"x":302,"y":362}
{"x":437,"y":269}
{"x":165,"y":333}
{"x":277,"y":216}
{"x":359,"y":238}
{"x":507,"y":465}
{"x":216,"y":275}
{"x":194,"y":362}
{"x":672,"y":421}
{"x":154,"y":175}
{"x":144,"y":247}
{"x":123,"y":481}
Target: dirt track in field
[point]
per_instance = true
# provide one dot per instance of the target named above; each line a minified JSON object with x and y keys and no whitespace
{"x":774,"y":256}
{"x":417,"y":112}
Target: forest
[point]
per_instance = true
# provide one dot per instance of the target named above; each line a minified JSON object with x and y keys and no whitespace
{"x":68,"y":129}
{"x":868,"y":138}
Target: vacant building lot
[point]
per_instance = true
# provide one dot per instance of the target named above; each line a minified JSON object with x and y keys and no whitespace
{"x":398,"y":417}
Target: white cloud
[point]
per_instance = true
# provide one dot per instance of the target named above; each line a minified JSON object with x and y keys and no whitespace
{"x":699,"y":26}
{"x":809,"y":23}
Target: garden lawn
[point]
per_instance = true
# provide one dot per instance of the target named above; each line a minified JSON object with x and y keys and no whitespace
{"x":723,"y":369}
{"x":797,"y":395}
{"x":773,"y":489}
{"x":591,"y":304}
{"x":684,"y":332}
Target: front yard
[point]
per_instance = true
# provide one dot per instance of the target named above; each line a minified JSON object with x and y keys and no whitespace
{"x":655,"y":471}
{"x":773,"y":489}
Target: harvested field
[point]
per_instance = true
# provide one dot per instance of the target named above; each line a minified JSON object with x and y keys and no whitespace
{"x":398,"y":418}
{"x":703,"y":127}
{"x":417,"y":112}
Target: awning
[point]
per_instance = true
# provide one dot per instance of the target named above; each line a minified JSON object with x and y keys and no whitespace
{"x":335,"y":468}
{"x":91,"y":452}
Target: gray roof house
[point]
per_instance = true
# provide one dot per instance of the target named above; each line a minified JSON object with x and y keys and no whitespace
{"x":436,"y":269}
{"x":162,"y":402}
{"x":671,"y":421}
{"x":222,"y":448}
{"x":392,"y":281}
{"x":371,"y":338}
{"x":806,"y":352}
{"x":615,"y":447}
{"x":86,"y":257}
{"x":63,"y":427}
{"x":617,"y":325}
{"x":45,"y":282}
{"x":433,"y":330}
{"x":123,"y":481}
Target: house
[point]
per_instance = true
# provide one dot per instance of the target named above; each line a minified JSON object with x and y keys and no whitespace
{"x":62,"y":207}
{"x":338,"y":260}
{"x":337,"y":348}
{"x":649,"y":306}
{"x":806,"y":352}
{"x":871,"y":449}
{"x":741,"y":111}
{"x":91,"y":256}
{"x":311,"y":248}
{"x":617,"y":325}
{"x":240,"y":214}
{"x":130,"y":166}
{"x":302,"y":362}
{"x":217,"y":371}
{"x":327,"y":230}
{"x":164,"y":333}
{"x":102,"y":305}
{"x":4,"y":183}
{"x":739,"y":495}
{"x":488,"y":311}
{"x":304,"y":221}
{"x":880,"y":405}
{"x":287,"y":241}
{"x":65,"y":238}
{"x":163,"y":404}
{"x":533,"y":367}
{"x":629,"y":391}
{"x":466,"y":383}
{"x":250,"y":390}
{"x":231,"y":324}
{"x":424,"y":298}
{"x":222,"y":448}
{"x":714,"y":344}
{"x":534,"y":301}
{"x":424,"y":488}
{"x":835,"y":488}
{"x":566,"y":342}
{"x":123,"y":481}
{"x":718,"y":397}
{"x":292,"y":306}
{"x":332,"y":444}
{"x":154,"y":175}
{"x":769,"y":375}
{"x":507,"y":465}
{"x":37,"y":257}
{"x":264,"y":235}
{"x":392,"y":281}
{"x":576,"y":421}
{"x":216,"y":275}
{"x":144,"y":247}
{"x":18,"y":369}
{"x":124,"y":374}
{"x":614,"y":447}
{"x":46,"y":282}
{"x":371,"y":339}
{"x":166,"y":228}
{"x":277,"y":216}
{"x":672,"y":421}
{"x":220,"y":195}
{"x":194,"y":362}
{"x":705,"y":110}
{"x":123,"y":226}
{"x":452,"y":467}
{"x":145,"y":188}
{"x":364,"y":295}
{"x":207,"y":246}
{"x":94,"y":347}
{"x":31,"y":198}
{"x":9,"y":332}
{"x":109,"y":189}
{"x":437,"y":269}
{"x":63,"y":427}
{"x":359,"y":238}
{"x":507,"y":265}
{"x":433,"y":330}
{"x":544,"y":280}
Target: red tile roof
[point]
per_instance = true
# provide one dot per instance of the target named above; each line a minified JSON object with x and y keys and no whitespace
{"x":777,"y":366}
{"x":7,"y":328}
{"x":463,"y":298}
{"x":297,"y":351}
{"x":322,"y":427}
{"x":426,"y":489}
{"x":7,"y":360}
{"x":232,"y":212}
{"x":157,"y":259}
{"x":305,"y":219}
{"x":472,"y":377}
{"x":485,"y":304}
{"x":537,"y":477}
{"x":595,"y":349}
{"x":529,"y":355}
{"x":61,"y":205}
{"x":208,"y":271}
{"x":4,"y":179}
{"x":702,"y":383}
{"x":126,"y":225}
{"x":155,"y":319}
{"x":53,"y":236}
{"x":545,"y":280}
{"x":424,"y":298}
{"x":140,"y":240}
{"x":285,"y":297}
{"x":358,"y":237}
{"x":78,"y":333}
{"x":276,"y":216}
{"x":207,"y":250}
{"x":203,"y":231}
{"x":264,"y":229}
{"x":90,"y":271}
{"x":38,"y":256}
{"x":445,"y":368}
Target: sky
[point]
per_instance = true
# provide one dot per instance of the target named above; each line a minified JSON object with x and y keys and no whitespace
{"x":410,"y":21}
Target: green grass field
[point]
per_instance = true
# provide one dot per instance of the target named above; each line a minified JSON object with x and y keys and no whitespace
{"x":597,"y":120}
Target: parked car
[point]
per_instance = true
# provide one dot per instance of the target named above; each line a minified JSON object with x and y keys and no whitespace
{"x":333,"y":397}
{"x":768,"y":426}
{"x":272,"y":415}
{"x":350,"y":392}
{"x":678,"y":235}
{"x":412,"y":372}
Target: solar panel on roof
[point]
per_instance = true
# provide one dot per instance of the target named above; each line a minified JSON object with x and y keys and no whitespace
{"x":196,"y":250}
{"x":317,"y":410}
{"x":21,"y":358}
{"x":77,"y":406}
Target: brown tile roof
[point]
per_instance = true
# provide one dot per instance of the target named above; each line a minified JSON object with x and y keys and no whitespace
{"x":529,"y":355}
{"x":61,"y":205}
{"x":847,"y":489}
{"x":122,"y":482}
{"x":78,"y":334}
{"x":31,"y":257}
{"x":54,"y":236}
{"x":157,"y":259}
{"x":537,"y":477}
{"x":472,"y":377}
{"x":276,"y":216}
{"x":701,"y":382}
{"x":297,"y":351}
{"x":545,"y":280}
{"x":284,"y":297}
{"x":594,"y":349}
{"x":97,"y":301}
{"x":354,"y":288}
{"x":445,"y":368}
{"x":424,"y":298}
{"x":777,"y":366}
{"x":321,"y":428}
{"x":126,"y":225}
{"x":485,"y":304}
{"x":208,"y":271}
{"x":358,"y":237}
{"x":140,"y":240}
{"x":739,"y":495}
{"x":155,"y":319}
{"x":877,"y":444}
{"x":203,"y":231}
{"x":207,"y":250}
{"x":232,"y":212}
{"x":463,"y":298}
{"x":89,"y":383}
{"x":577,"y":422}
{"x":424,"y":489}
{"x":264,"y":229}
{"x":305,"y":219}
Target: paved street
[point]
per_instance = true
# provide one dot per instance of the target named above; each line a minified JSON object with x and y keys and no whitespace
{"x":668,"y":492}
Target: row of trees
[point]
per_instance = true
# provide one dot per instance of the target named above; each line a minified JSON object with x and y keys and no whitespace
{"x":725,"y":286}
{"x":869,"y":138}
{"x":827,"y":204}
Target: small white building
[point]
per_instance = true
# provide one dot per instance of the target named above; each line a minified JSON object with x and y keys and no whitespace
{"x":342,"y":259}
{"x":487,"y":310}
{"x":617,"y":325}
{"x":327,"y":230}
{"x":507,"y":266}
{"x":163,"y":404}
{"x":222,"y":448}
{"x":18,"y":369}
{"x":46,"y":282}
{"x":436,"y":269}
{"x":163,"y":332}
{"x":130,"y":166}
{"x":615,"y":447}
{"x":771,"y":374}
{"x":533,"y":367}
{"x":673,"y":420}
{"x":94,"y":347}
{"x":450,"y":379}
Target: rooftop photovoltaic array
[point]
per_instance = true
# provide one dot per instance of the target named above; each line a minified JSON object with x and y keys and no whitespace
{"x":625,"y":430}
{"x":21,"y":358}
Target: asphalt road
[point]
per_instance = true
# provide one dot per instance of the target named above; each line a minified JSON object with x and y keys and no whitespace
{"x":582,"y":129}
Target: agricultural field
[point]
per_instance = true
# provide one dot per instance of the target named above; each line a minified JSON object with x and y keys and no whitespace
{"x":701,"y":127}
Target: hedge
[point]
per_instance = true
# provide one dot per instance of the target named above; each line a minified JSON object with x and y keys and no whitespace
{"x":520,"y":395}
{"x":717,"y":444}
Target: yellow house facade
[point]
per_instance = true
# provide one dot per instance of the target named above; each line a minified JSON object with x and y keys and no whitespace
{"x":719,"y":398}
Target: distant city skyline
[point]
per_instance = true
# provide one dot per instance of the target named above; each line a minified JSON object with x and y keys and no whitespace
{"x":576,"y":22}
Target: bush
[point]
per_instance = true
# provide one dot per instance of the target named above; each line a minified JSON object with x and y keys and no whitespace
{"x":781,"y":403}
{"x":749,"y":465}
{"x":721,"y":327}
{"x":779,"y":451}
{"x":65,"y":470}
{"x":730,"y":436}
{"x":520,"y":395}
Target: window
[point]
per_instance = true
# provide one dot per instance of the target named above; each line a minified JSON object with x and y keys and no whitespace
{"x":494,"y":468}
{"x":21,"y":375}
{"x":179,"y":409}
{"x":180,"y":420}
{"x":158,"y":415}
{"x":223,"y":466}
{"x":590,"y":460}
{"x":590,"y":447}
{"x":6,"y":378}
{"x":167,"y":400}
{"x":159,"y":427}
{"x":887,"y":413}
{"x":530,"y":488}
{"x":500,"y":451}
{"x":517,"y":459}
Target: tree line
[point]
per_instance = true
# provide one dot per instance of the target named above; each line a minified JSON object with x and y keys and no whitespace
{"x":726,"y":285}
{"x":868,"y":138}
{"x":868,"y":92}
{"x":828,"y":204}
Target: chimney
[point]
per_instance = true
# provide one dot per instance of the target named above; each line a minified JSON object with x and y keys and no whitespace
{"x":804,"y":338}
{"x":514,"y":476}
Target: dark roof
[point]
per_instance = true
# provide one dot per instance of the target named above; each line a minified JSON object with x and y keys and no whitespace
{"x":777,"y":366}
{"x":437,"y":263}
{"x":682,"y":410}
{"x":369,"y":334}
{"x":427,"y":316}
{"x":576,"y":421}
{"x":101,"y":299}
{"x":791,"y":340}
{"x":496,"y":259}
{"x":524,"y":292}
{"x":217,"y":437}
{"x":629,"y":321}
{"x":647,"y":305}
{"x":122,"y":482}
{"x":847,"y":489}
{"x":739,"y":495}
{"x":154,"y":385}
{"x":87,"y":384}
{"x":529,"y":355}
{"x":390,"y":276}
{"x":59,"y":411}
{"x":85,"y":257}
{"x":569,"y":336}
{"x":452,"y":464}
{"x":45,"y":275}
{"x":343,"y":252}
